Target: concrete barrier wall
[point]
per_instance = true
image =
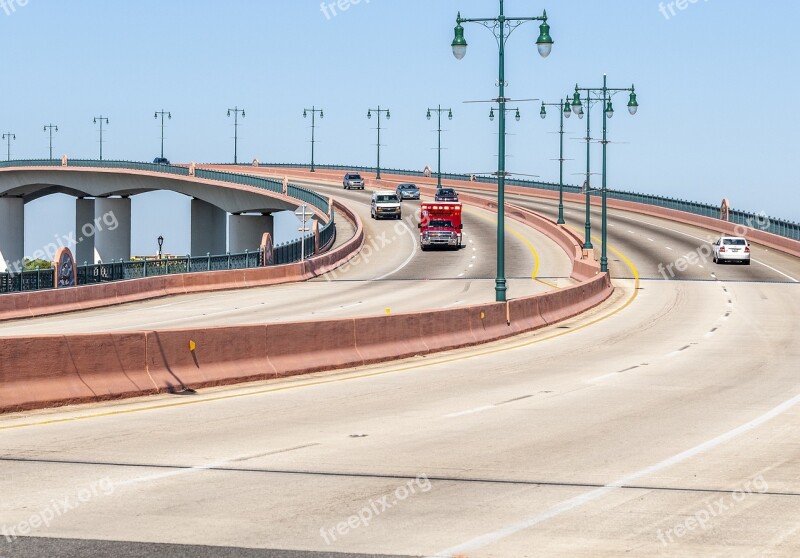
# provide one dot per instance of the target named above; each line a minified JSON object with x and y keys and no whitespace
{"x":64,"y":369}
{"x":42,"y":303}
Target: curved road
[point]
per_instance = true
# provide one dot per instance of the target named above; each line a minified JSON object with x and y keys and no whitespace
{"x":391,"y":273}
{"x":662,"y":423}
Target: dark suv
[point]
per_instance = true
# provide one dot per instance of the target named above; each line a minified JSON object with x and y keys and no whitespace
{"x":161,"y":161}
{"x":353,"y":180}
{"x":445,"y":195}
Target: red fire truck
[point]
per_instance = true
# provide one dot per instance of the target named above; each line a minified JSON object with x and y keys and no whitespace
{"x":440,"y":225}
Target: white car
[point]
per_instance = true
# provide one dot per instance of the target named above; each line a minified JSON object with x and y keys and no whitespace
{"x":385,"y":204}
{"x":732,"y":249}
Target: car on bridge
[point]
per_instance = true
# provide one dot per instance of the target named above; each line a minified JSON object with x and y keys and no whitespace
{"x":407,"y":191}
{"x":353,"y":180}
{"x":731,"y":249}
{"x":385,"y":203}
{"x":445,"y":195}
{"x":161,"y":161}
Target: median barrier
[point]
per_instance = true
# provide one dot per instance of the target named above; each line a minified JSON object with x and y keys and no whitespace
{"x":41,"y":303}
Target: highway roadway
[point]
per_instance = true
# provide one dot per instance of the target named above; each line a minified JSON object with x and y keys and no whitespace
{"x":391,"y":274}
{"x":663,"y":423}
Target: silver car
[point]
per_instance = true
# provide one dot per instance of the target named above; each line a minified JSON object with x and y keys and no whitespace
{"x":407,"y":191}
{"x":353,"y":180}
{"x":731,"y":249}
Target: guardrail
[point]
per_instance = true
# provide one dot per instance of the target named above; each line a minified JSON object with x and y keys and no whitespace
{"x":92,"y":274}
{"x":780,"y":227}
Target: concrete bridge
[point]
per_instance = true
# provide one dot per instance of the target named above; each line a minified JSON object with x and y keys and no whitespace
{"x":228,"y":212}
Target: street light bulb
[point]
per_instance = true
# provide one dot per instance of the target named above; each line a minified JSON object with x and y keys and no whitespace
{"x":610,"y":110}
{"x":576,"y":103}
{"x":155,"y":115}
{"x":543,"y":112}
{"x":304,"y":114}
{"x":450,"y":115}
{"x":229,"y":113}
{"x":633,"y":105}
{"x":567,"y":109}
{"x":491,"y":115}
{"x":545,"y":42}
{"x":428,"y":116}
{"x":459,"y":42}
{"x":369,"y":114}
{"x":242,"y":113}
{"x":321,"y":114}
{"x":388,"y":115}
{"x":517,"y":116}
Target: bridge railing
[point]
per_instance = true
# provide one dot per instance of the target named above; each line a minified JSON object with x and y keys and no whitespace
{"x":781,"y":227}
{"x":88,"y":274}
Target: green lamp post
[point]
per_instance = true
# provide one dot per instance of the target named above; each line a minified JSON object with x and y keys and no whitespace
{"x":439,"y":112}
{"x":162,"y":113}
{"x":52,"y":128}
{"x":502,"y":27}
{"x":8,"y":136}
{"x":102,"y":119}
{"x":603,"y":95}
{"x":564,"y":111}
{"x":236,"y":111}
{"x":313,"y":110}
{"x":379,"y":111}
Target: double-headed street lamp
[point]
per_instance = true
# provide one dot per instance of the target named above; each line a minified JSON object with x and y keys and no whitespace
{"x":601,"y":94}
{"x":101,"y":119}
{"x":52,"y":128}
{"x":313,"y":110}
{"x":236,"y":110}
{"x":439,"y":112}
{"x":502,"y":27}
{"x":565,"y":111}
{"x":9,"y":136}
{"x":162,"y":113}
{"x":379,"y":110}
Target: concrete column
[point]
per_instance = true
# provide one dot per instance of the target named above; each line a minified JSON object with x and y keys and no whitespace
{"x":12,"y":234}
{"x":112,"y":229}
{"x":84,"y":231}
{"x":245,"y":232}
{"x":208,"y":229}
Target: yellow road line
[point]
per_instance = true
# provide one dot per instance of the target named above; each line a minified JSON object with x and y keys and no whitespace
{"x":404,"y":368}
{"x":519,"y":236}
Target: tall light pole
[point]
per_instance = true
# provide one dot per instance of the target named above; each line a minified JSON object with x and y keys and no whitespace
{"x":236,"y":111}
{"x":602,"y":94}
{"x":101,"y":119}
{"x":9,"y":136}
{"x":502,"y":27}
{"x":379,"y":110}
{"x":439,"y":112}
{"x":565,"y":111}
{"x":52,"y":128}
{"x":313,"y":110}
{"x":162,"y":113}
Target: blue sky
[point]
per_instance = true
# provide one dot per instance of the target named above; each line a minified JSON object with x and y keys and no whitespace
{"x":714,"y":83}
